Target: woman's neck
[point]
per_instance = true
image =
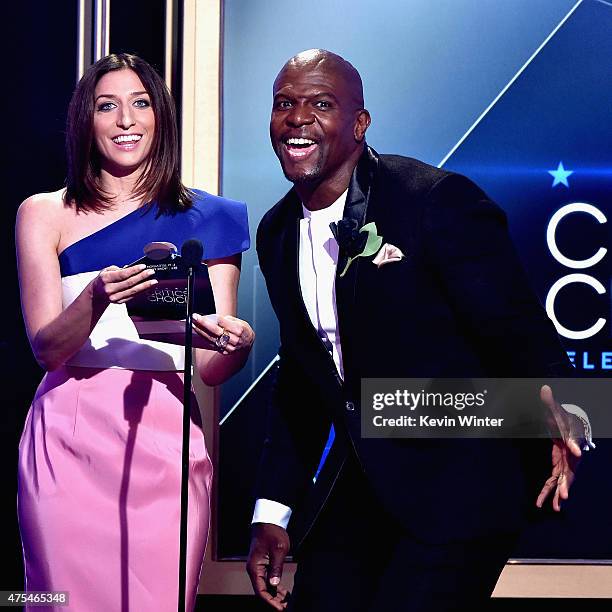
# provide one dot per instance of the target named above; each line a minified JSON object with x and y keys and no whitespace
{"x":120,"y":189}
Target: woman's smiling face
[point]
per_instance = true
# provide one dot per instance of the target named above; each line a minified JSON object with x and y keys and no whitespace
{"x":123,"y":122}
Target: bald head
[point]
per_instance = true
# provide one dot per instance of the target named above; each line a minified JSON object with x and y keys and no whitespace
{"x":323,"y":60}
{"x":318,"y":124}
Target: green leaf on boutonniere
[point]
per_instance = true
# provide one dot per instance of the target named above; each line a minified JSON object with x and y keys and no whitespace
{"x":372,"y":245}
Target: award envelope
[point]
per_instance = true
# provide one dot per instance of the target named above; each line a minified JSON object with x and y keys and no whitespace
{"x":159,"y":312}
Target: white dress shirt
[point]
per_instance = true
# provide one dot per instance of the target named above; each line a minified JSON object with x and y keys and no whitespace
{"x":318,"y":260}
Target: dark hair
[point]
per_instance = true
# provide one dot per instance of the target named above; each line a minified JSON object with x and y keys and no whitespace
{"x":160,"y":179}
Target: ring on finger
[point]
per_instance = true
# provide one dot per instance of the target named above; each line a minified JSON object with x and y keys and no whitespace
{"x":222,"y":339}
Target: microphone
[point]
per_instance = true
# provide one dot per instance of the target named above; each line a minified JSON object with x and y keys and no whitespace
{"x":192,"y":252}
{"x":191,"y":258}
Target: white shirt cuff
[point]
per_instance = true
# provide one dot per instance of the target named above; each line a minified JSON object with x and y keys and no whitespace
{"x":268,"y":511}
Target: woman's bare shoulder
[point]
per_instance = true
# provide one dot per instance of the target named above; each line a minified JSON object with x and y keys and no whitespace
{"x":43,"y":211}
{"x":46,"y":204}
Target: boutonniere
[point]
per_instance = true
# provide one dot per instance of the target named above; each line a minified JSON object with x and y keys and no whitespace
{"x":355,"y":242}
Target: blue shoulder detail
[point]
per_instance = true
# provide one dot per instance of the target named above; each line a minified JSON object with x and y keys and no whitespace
{"x":222,"y":225}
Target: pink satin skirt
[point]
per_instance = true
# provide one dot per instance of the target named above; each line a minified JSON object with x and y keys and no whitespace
{"x":99,"y":490}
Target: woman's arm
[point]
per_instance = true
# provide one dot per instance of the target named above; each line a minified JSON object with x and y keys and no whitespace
{"x":56,"y":334}
{"x":213,"y":366}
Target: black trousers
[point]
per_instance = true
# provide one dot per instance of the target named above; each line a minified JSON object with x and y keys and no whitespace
{"x":357,"y":558}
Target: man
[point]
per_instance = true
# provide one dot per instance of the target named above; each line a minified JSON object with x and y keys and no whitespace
{"x":389,"y":524}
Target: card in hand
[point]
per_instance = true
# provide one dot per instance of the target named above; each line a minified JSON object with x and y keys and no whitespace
{"x":159,"y":312}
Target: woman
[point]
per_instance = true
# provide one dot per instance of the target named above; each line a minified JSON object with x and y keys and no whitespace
{"x":99,"y":464}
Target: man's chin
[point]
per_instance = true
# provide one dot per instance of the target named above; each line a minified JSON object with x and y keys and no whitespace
{"x":301,"y":175}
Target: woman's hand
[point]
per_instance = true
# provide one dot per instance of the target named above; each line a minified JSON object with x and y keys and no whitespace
{"x":226,"y":334}
{"x":228,"y":339}
{"x":116,"y":285}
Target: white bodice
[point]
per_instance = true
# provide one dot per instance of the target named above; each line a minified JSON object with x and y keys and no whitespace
{"x":114,"y":341}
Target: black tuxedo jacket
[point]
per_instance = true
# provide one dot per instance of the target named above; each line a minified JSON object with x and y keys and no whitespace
{"x":457,"y":305}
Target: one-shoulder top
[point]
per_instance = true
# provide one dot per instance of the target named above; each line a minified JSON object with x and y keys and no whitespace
{"x":220,"y":224}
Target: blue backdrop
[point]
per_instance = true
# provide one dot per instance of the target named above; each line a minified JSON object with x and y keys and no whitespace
{"x":514,"y":94}
{"x":429,"y":70}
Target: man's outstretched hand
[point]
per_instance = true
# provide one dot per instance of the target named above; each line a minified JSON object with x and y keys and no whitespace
{"x":269,"y":547}
{"x":566,"y":453}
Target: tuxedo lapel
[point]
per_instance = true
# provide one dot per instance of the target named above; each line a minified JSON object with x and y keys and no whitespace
{"x":357,"y":206}
{"x":357,"y":201}
{"x":289,"y":255}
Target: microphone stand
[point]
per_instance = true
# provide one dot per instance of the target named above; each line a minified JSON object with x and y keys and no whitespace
{"x":186,"y":422}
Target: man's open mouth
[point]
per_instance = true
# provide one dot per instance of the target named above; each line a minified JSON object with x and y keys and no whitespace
{"x":299,"y":148}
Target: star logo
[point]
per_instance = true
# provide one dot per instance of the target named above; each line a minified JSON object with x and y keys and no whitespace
{"x":560,"y":175}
